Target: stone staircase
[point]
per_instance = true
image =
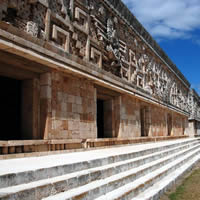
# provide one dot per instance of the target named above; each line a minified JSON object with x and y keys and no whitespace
{"x":132,"y":172}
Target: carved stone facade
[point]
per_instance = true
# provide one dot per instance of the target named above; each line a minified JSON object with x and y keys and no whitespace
{"x":95,"y":41}
{"x":194,"y":108}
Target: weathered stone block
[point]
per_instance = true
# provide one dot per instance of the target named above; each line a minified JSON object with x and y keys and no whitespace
{"x":78,"y":100}
{"x":71,"y":99}
{"x":29,"y":148}
{"x":11,"y":150}
{"x":45,"y":79}
{"x":45,"y":92}
{"x":4,"y":150}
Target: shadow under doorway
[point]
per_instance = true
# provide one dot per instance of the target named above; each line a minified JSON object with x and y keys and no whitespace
{"x":100,"y":118}
{"x":10,"y":105}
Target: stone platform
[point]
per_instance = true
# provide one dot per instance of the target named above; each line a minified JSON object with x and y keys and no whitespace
{"x":26,"y":148}
{"x":139,"y":172}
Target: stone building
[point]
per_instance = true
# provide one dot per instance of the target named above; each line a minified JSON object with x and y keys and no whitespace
{"x":86,"y":69}
{"x":194,"y":119}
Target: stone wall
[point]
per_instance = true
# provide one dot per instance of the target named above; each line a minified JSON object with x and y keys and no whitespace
{"x":104,"y":35}
{"x":71,"y":112}
{"x":198,"y":127}
{"x":84,"y":44}
{"x":159,"y":121}
{"x":129,"y":117}
{"x":180,"y":125}
{"x":155,"y":120}
{"x":71,"y":107}
{"x":193,"y":128}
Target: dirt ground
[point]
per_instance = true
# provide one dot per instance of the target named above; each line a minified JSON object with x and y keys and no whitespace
{"x":187,"y":187}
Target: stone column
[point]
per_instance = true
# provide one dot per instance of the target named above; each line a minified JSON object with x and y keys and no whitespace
{"x":27,"y":109}
{"x":45,"y":105}
{"x":108,"y":118}
{"x":36,"y":109}
{"x":116,"y":117}
{"x":191,"y":128}
{"x":95,"y":113}
{"x":30,"y":109}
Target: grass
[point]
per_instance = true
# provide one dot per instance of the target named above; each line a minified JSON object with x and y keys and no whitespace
{"x":189,"y":189}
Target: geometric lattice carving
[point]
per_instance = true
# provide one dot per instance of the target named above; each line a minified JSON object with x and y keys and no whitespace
{"x":97,"y":56}
{"x":82,"y":18}
{"x":32,"y":28}
{"x":61,"y":36}
{"x":93,"y":32}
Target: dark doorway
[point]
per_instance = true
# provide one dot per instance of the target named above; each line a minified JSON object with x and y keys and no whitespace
{"x":183,"y":126}
{"x":106,"y":112}
{"x":144,"y":119}
{"x":100,"y":118}
{"x":169,"y":124}
{"x":10,"y":106}
{"x":104,"y":118}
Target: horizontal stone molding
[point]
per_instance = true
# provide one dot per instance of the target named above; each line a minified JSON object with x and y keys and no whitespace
{"x":26,"y":148}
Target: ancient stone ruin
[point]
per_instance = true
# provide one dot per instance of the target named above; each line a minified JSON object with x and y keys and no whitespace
{"x":81,"y":75}
{"x":87,"y":69}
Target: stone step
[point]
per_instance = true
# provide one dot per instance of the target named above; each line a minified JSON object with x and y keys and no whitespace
{"x":142,"y":185}
{"x":100,"y":187}
{"x":33,"y":169}
{"x":164,"y":184}
{"x":58,"y":184}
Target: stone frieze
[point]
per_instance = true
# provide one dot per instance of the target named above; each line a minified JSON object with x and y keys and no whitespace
{"x":91,"y":30}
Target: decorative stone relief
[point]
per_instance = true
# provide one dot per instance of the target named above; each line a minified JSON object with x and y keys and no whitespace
{"x":62,"y":37}
{"x":101,"y":10}
{"x":113,"y":47}
{"x":25,"y":15}
{"x":78,"y":44}
{"x":32,"y":28}
{"x":3,"y":9}
{"x":96,"y":56}
{"x":61,"y":8}
{"x":93,"y":32}
{"x":117,"y":50}
{"x":194,"y":105}
{"x":81,"y":20}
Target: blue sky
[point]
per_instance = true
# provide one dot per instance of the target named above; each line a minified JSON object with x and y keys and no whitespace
{"x":175,"y":25}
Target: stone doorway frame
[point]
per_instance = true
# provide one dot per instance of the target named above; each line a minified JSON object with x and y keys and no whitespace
{"x":107,"y":96}
{"x":169,"y":124}
{"x":28,"y":72}
{"x":145,"y":121}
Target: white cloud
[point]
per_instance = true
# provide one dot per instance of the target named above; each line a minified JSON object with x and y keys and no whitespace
{"x":167,"y":18}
